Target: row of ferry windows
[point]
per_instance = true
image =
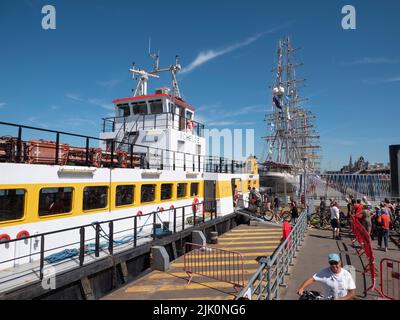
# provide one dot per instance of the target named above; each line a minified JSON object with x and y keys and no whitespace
{"x":59,"y":200}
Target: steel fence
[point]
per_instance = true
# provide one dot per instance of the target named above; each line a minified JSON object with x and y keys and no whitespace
{"x":390,"y":278}
{"x":218,"y":264}
{"x":266,"y":282}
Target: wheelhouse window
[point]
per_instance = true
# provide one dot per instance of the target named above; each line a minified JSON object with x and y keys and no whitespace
{"x":166,"y":191}
{"x":156,"y":106}
{"x":94,"y":197}
{"x":181,"y":190}
{"x":12,"y":203}
{"x":123,"y":110}
{"x":189,"y":115}
{"x":194,"y":189}
{"x":139,"y":108}
{"x":55,"y":201}
{"x":124,"y":195}
{"x":148,"y":192}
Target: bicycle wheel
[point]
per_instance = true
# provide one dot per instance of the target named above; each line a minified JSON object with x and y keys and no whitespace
{"x":268,"y":215}
{"x":286,"y":215}
{"x":315,"y":219}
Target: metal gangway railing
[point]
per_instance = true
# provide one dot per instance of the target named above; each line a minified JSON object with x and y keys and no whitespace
{"x":266,"y":282}
{"x":218,"y":264}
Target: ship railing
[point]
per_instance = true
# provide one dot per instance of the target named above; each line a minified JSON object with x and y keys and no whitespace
{"x":86,"y":243}
{"x":63,"y":148}
{"x":164,"y":120}
{"x":267,"y":281}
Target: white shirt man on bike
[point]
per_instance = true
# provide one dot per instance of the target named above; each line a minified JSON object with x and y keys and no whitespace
{"x":339,"y":283}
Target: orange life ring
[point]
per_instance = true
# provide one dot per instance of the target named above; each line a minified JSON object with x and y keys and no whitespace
{"x":4,"y":237}
{"x":139,"y":213}
{"x":23,"y":234}
{"x":195,"y":205}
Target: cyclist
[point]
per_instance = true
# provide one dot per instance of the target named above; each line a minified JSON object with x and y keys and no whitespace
{"x":339,"y":283}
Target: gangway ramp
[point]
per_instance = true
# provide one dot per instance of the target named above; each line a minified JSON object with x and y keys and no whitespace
{"x":250,"y":241}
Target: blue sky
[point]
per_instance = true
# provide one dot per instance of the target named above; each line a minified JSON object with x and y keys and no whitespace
{"x":66,"y":78}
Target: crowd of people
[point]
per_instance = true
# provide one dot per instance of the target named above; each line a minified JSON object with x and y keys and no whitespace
{"x":377,"y":220}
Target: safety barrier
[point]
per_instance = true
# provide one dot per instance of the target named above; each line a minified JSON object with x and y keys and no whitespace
{"x":218,"y":264}
{"x":363,"y":238}
{"x":266,"y":282}
{"x":390,"y":278}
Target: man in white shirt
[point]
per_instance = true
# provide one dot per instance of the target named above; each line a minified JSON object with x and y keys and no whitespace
{"x":335,"y":215}
{"x":339,"y":283}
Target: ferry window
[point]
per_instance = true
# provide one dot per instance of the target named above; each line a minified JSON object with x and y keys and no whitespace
{"x":124,"y":195}
{"x":55,"y":201}
{"x":139,"y":108}
{"x":94,"y":197}
{"x":11,"y":204}
{"x":189,"y":115}
{"x":166,"y":191}
{"x":181,"y":190}
{"x":148,"y":193}
{"x":156,"y":106}
{"x":194,"y":189}
{"x":123,"y":110}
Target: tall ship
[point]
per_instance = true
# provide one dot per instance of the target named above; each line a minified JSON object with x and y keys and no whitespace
{"x":291,"y":142}
{"x":67,"y":199}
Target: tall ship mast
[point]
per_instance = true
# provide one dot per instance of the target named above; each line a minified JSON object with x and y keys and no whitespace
{"x":292,"y":142}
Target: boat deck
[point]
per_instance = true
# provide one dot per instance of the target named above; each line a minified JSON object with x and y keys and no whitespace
{"x":250,"y":241}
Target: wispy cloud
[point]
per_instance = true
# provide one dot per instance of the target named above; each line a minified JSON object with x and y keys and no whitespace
{"x":376,"y":60}
{"x":109,"y":84}
{"x":381,"y":80}
{"x":74,"y":96}
{"x":35,"y":121}
{"x":54,"y":107}
{"x":205,"y":56}
{"x":93,"y":101}
{"x":2,"y":104}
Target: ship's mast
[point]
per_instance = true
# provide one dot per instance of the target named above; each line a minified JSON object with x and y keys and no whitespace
{"x":143,"y":76}
{"x":293,"y":135}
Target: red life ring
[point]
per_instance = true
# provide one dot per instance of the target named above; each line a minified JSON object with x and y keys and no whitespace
{"x":195,"y":205}
{"x":23,"y":234}
{"x":139,"y":213}
{"x":171,"y":206}
{"x":161,"y":209}
{"x":4,"y":237}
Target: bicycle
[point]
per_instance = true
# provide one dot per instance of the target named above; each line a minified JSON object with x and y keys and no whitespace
{"x":315,"y":219}
{"x":314,"y":295}
{"x":283,"y":214}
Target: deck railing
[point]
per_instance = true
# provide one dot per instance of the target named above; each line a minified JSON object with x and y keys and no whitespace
{"x":57,"y":149}
{"x":102,"y":236}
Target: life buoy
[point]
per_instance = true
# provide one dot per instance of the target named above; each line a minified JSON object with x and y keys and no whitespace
{"x":171,"y":206}
{"x":4,"y":237}
{"x":195,"y":205}
{"x":139,"y":213}
{"x":161,"y":209}
{"x":23,"y":234}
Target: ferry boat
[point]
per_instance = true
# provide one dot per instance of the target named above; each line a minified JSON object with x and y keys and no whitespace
{"x":148,"y":161}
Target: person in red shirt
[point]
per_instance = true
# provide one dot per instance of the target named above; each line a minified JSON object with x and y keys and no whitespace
{"x":358,"y":207}
{"x":383,"y":228}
